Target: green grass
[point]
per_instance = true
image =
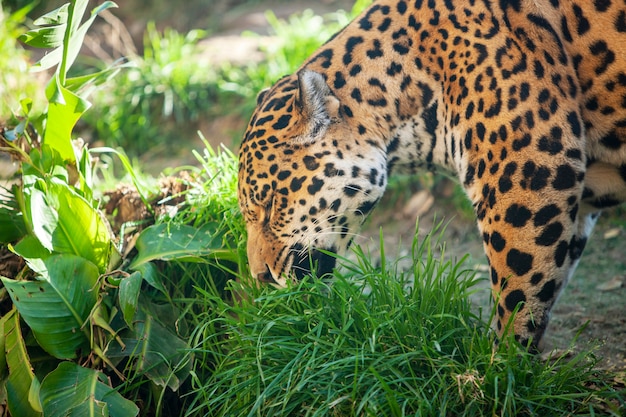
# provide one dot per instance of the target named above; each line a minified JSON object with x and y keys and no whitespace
{"x":373,"y":342}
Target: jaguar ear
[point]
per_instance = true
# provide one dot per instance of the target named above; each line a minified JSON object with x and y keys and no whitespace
{"x":319,"y":105}
{"x":261,"y":96}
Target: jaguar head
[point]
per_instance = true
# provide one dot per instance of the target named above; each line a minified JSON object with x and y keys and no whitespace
{"x":307,"y":179}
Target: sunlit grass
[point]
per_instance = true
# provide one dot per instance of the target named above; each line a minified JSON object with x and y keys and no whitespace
{"x":375,"y":341}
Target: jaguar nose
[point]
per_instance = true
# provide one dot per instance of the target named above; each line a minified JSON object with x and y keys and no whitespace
{"x":265,"y":276}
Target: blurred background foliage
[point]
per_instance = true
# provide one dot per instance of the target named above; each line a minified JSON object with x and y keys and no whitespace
{"x":178,"y":82}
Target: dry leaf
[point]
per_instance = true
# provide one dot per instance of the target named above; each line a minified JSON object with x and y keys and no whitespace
{"x":615,"y":283}
{"x":620,"y":378}
{"x":419,"y":204}
{"x":612,"y":233}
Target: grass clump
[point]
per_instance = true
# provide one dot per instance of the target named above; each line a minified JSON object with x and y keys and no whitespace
{"x":211,"y":199}
{"x":376,"y":342}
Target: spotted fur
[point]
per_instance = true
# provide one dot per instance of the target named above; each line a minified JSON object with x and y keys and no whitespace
{"x":523,"y":101}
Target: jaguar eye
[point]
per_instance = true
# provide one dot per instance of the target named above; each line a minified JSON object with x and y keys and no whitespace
{"x":267,"y":211}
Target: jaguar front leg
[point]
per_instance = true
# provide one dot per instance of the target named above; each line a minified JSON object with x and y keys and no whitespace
{"x":534,"y":234}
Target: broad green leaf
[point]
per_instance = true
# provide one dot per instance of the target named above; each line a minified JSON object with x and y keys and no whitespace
{"x":75,"y":13}
{"x":77,"y":35}
{"x":64,"y":110}
{"x":181,"y":242}
{"x":48,"y":37}
{"x":56,"y":309}
{"x":89,"y":407}
{"x":85,"y":168}
{"x":72,"y":37}
{"x":72,"y":42}
{"x":12,"y":226}
{"x":45,"y":218}
{"x":54,"y":17}
{"x":4,"y":370}
{"x":71,"y":390}
{"x":159,"y":352}
{"x":44,"y":161}
{"x":21,"y":376}
{"x":149,"y":273}
{"x":128,"y":295}
{"x":33,"y":395}
{"x":33,"y":252}
{"x":64,"y":222}
{"x":26,"y":104}
{"x":48,"y":61}
{"x":96,"y":78}
{"x":51,"y":35}
{"x":53,"y":90}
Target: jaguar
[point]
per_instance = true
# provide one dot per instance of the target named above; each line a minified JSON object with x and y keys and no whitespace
{"x":523,"y":102}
